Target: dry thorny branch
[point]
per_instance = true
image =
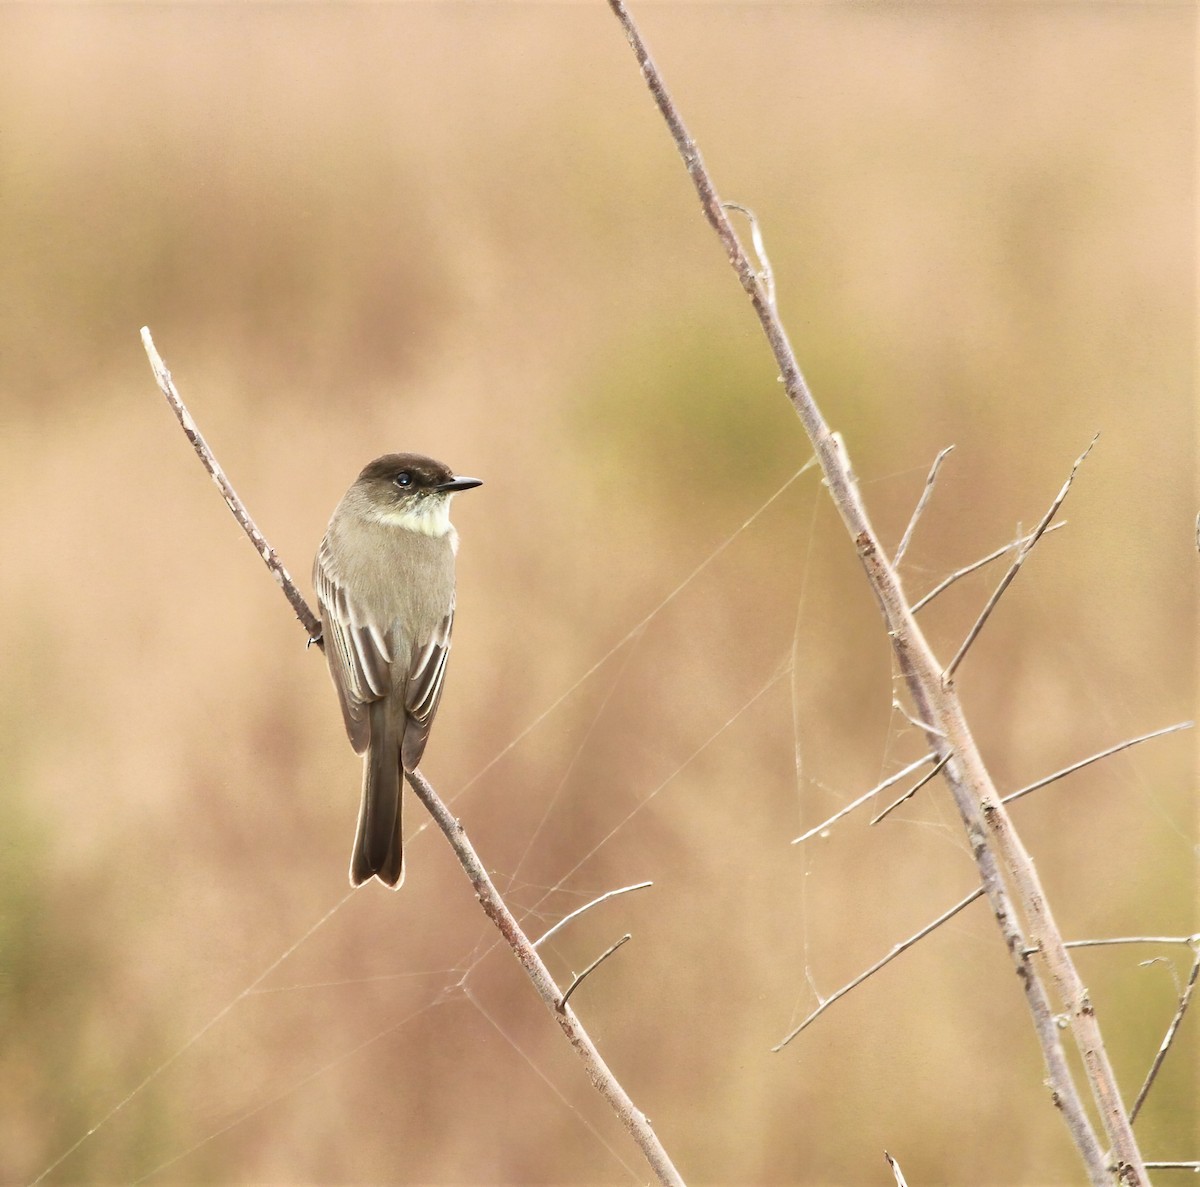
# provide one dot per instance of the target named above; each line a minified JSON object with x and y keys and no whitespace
{"x":1008,"y":878}
{"x":823,"y":828}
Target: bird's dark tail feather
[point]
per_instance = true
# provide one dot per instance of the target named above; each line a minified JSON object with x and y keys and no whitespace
{"x":379,"y":843}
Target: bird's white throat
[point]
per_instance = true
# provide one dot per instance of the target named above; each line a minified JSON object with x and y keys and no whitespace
{"x":430,"y":516}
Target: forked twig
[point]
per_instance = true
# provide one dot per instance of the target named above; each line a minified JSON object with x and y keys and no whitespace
{"x":1015,"y":567}
{"x":890,"y":781}
{"x":922,"y":502}
{"x":915,"y":788}
{"x":489,"y":897}
{"x":1191,"y":941}
{"x":587,"y":907}
{"x":975,"y":566}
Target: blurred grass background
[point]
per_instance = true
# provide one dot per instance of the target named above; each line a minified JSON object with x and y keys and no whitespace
{"x":461,"y":229}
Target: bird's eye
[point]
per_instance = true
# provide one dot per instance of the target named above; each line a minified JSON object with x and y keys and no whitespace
{"x":403,"y":479}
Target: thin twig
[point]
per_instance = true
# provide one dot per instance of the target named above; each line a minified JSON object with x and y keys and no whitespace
{"x":914,"y":789}
{"x":1024,"y":918}
{"x":489,"y":898}
{"x":591,"y":968}
{"x":1184,"y":1000}
{"x":1190,"y":941}
{"x":890,"y":781}
{"x":1083,"y":762}
{"x":922,"y":502}
{"x":587,"y":907}
{"x":308,"y":620}
{"x":967,"y":570}
{"x":1015,"y":567}
{"x":1173,"y":1166}
{"x":904,"y":946}
{"x":924,"y":726}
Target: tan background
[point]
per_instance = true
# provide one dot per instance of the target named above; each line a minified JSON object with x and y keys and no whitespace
{"x":461,"y":228}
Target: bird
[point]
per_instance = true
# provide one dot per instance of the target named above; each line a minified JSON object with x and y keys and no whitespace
{"x":384,"y":580}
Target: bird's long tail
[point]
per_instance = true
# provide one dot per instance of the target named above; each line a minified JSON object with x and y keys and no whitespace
{"x":379,"y":842}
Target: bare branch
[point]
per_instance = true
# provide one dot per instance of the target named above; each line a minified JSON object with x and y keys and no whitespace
{"x":1025,"y":921}
{"x":922,"y":502}
{"x":967,"y":570}
{"x":1190,"y":941}
{"x":890,"y":781}
{"x":1172,"y":1030}
{"x":591,"y":968}
{"x":308,"y":620}
{"x":587,"y":907}
{"x":1013,"y":569}
{"x":489,"y":898}
{"x":1173,"y":1166}
{"x":1083,"y":762}
{"x":914,"y":789}
{"x":866,"y":974}
{"x":494,"y":906}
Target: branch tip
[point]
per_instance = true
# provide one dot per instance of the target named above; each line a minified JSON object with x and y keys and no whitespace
{"x":1015,"y":567}
{"x":587,"y":907}
{"x":591,"y":968}
{"x":922,"y":503}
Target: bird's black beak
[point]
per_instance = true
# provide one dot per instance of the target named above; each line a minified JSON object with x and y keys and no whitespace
{"x":457,"y":483}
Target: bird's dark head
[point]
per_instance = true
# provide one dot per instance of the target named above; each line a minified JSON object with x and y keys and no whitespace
{"x":411,"y":491}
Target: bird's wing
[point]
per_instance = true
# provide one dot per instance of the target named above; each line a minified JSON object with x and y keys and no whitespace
{"x":359,"y":651}
{"x":425,"y":678}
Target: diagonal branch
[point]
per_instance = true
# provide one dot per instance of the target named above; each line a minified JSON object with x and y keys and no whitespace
{"x":497,"y":911}
{"x":922,"y":503}
{"x":1022,"y":913}
{"x":489,"y":897}
{"x":1087,"y":762}
{"x":1013,"y":569}
{"x":967,"y":570}
{"x":308,"y":620}
{"x":867,"y":795}
{"x":587,"y":907}
{"x":579,"y":978}
{"x":866,"y":974}
{"x":908,"y":795}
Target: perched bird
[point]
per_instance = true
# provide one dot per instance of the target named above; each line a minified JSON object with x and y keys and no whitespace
{"x":384,"y":578}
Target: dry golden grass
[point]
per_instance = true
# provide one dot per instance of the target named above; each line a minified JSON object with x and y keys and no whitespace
{"x":461,"y":229}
